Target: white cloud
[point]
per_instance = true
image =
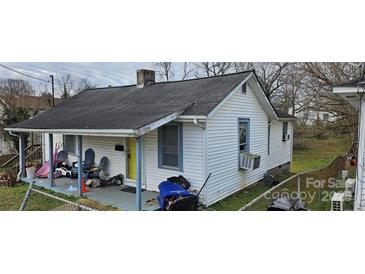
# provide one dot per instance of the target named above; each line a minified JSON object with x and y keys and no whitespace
{"x":101,"y":74}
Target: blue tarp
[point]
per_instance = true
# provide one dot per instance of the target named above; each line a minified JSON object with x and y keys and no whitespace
{"x":169,"y":189}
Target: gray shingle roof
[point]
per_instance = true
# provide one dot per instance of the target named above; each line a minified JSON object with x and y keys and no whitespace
{"x":282,"y":114}
{"x":129,"y":107}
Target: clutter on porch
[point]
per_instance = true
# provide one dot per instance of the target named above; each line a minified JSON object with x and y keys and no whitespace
{"x":175,"y":194}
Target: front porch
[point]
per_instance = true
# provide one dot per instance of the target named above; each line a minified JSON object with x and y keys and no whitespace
{"x":109,"y":195}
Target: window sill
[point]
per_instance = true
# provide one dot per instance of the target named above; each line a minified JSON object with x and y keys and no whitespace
{"x":171,"y":168}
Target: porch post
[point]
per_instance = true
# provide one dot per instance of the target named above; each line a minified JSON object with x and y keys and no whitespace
{"x":79,"y":165}
{"x":21,"y":155}
{"x":139,"y":174}
{"x":51,"y":160}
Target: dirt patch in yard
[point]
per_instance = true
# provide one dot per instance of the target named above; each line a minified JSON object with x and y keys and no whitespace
{"x":96,"y":205}
{"x":66,"y":207}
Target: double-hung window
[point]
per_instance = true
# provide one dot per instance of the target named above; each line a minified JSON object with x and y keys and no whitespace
{"x":244,"y":137}
{"x":170,"y":146}
{"x":285,"y":128}
{"x":70,"y":143}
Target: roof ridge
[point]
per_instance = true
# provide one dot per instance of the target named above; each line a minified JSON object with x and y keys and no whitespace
{"x":177,"y":81}
{"x":206,"y":77}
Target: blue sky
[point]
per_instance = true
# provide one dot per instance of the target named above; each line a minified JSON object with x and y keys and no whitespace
{"x":101,"y":74}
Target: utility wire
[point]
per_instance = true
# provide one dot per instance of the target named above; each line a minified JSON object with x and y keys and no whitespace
{"x":24,"y":74}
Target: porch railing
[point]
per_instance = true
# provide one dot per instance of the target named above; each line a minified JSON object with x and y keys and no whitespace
{"x":32,"y":153}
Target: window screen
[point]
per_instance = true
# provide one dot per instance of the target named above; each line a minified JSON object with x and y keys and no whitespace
{"x":69,"y":143}
{"x":170,"y":149}
{"x":285,"y":128}
{"x":243,"y":136}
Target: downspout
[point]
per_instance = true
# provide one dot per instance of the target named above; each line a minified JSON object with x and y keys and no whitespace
{"x":205,"y":157}
{"x":20,"y":170}
{"x":195,"y":121}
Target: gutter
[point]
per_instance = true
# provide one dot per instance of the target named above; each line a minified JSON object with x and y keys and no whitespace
{"x":287,"y":119}
{"x":195,"y":121}
{"x":91,"y":132}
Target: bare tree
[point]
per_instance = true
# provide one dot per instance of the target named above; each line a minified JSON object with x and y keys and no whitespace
{"x":69,"y":85}
{"x":16,"y":87}
{"x":320,"y":78}
{"x":13,"y":109}
{"x":10,"y":89}
{"x":211,"y":68}
{"x":290,"y":95}
{"x":272,"y":76}
{"x":164,"y":70}
{"x":187,"y":70}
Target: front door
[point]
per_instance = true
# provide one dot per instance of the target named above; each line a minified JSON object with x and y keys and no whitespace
{"x":132,"y":158}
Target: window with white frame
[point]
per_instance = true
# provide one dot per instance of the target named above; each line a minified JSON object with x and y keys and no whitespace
{"x":70,"y":143}
{"x":244,"y":138}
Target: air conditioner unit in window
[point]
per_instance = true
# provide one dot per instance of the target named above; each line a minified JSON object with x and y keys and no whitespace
{"x":249,"y":161}
{"x":337,"y":201}
{"x":286,"y":137}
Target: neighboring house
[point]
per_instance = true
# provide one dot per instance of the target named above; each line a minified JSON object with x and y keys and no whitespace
{"x":354,"y":92}
{"x":36,"y":104}
{"x":312,"y":117}
{"x":193,"y":127}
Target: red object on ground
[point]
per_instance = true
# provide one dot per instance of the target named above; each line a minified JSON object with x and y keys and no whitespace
{"x":83,"y":186}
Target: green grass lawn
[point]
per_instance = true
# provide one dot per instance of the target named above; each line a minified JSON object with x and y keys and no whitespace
{"x":239,"y":199}
{"x":307,"y":155}
{"x":12,"y":197}
{"x":314,"y":154}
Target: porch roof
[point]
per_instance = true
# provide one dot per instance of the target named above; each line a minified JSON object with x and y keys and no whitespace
{"x":130,"y":108}
{"x":351,"y":91}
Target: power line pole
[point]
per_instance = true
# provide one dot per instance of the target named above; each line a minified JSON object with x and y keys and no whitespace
{"x":52,"y":81}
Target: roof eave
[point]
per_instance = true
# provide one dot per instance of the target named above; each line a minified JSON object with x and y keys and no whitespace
{"x":287,"y":119}
{"x":89,"y":132}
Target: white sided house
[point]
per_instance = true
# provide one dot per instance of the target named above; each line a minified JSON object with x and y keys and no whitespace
{"x":223,"y":125}
{"x":354,"y":92}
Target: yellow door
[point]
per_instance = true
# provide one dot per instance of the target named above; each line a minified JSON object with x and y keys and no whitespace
{"x":132,"y":158}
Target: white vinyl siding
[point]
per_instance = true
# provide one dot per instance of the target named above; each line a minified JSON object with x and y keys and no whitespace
{"x":105,"y":146}
{"x":193,"y":158}
{"x":102,"y":146}
{"x":280,"y":151}
{"x":223,"y":148}
{"x":57,"y":139}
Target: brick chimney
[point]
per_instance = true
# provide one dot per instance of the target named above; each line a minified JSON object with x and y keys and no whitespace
{"x":145,"y":77}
